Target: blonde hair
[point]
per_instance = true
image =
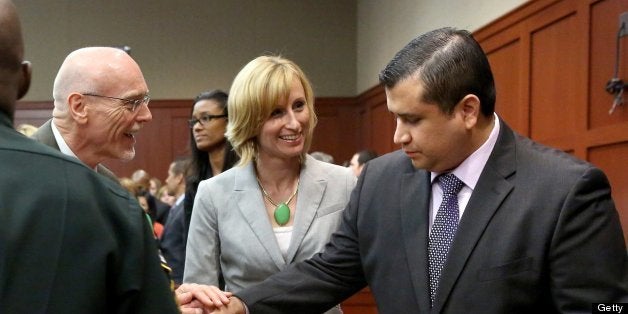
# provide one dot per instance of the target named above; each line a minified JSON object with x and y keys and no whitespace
{"x":26,"y":129}
{"x":254,"y":94}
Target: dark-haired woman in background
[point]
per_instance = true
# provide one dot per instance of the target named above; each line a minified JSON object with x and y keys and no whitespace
{"x":211,"y":152}
{"x":211,"y":155}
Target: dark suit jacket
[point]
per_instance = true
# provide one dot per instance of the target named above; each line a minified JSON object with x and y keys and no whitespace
{"x":44,"y":135}
{"x":539,"y":234}
{"x":71,"y":241}
{"x":173,"y":242}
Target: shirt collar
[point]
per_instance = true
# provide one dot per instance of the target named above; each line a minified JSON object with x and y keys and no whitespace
{"x":63,"y":146}
{"x":470,"y":169}
{"x":179,"y":200}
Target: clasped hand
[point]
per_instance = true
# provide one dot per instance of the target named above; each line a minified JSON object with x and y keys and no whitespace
{"x":203,"y":299}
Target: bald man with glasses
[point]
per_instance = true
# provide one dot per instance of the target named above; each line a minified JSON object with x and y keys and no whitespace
{"x":100,"y":103}
{"x":65,"y":246}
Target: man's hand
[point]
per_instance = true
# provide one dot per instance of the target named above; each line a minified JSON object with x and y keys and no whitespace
{"x":200,"y":299}
{"x":236,"y":306}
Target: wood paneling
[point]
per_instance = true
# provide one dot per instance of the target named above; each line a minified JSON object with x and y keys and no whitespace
{"x":34,"y":113}
{"x":360,"y":303}
{"x":553,"y":79}
{"x":379,"y":123}
{"x":505,"y":62}
{"x":337,"y":128}
{"x":603,"y":30}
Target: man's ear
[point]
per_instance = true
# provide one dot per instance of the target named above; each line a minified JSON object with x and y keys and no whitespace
{"x":470,"y":110}
{"x":77,"y":108}
{"x":25,"y":79}
{"x":181,"y":178}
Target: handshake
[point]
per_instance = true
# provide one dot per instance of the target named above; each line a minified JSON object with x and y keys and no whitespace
{"x":202,"y":299}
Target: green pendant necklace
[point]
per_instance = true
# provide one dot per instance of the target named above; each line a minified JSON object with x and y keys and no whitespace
{"x":282,"y":210}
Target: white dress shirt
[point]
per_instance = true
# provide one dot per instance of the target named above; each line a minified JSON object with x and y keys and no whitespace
{"x":468,"y":172}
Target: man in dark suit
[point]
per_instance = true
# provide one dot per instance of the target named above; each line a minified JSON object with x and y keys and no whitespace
{"x":530,"y":229}
{"x":174,"y":240}
{"x":65,"y":247}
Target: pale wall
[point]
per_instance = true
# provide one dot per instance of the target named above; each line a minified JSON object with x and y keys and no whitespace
{"x":185,"y":47}
{"x":384,"y":27}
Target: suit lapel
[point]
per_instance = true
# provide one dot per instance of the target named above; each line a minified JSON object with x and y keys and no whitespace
{"x":251,"y":205}
{"x":414,"y":203}
{"x":489,"y":193}
{"x":44,"y":135}
{"x":311,"y":190}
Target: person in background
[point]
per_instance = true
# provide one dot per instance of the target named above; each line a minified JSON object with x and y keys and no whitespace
{"x":173,"y":240}
{"x":159,"y":211}
{"x":164,"y":197}
{"x":279,"y":205}
{"x":211,"y":152}
{"x":75,"y":242}
{"x":323,"y":157}
{"x":359,"y":159}
{"x":96,"y":116}
{"x":468,"y":217}
{"x":154,"y":185}
{"x":147,"y":202}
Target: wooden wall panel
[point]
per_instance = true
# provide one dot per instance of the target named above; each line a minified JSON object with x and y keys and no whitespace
{"x":603,"y":29}
{"x":360,"y":303}
{"x":612,"y":160}
{"x":554,"y":64}
{"x":380,"y":124}
{"x":506,"y":65}
{"x":34,"y":113}
{"x":382,"y":129}
{"x":337,"y":128}
{"x":363,"y":124}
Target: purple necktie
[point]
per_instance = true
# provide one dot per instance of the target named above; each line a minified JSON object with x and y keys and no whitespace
{"x":443,"y":229}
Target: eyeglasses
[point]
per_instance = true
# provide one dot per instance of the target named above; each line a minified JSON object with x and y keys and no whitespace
{"x":132,"y":104}
{"x":204,"y":119}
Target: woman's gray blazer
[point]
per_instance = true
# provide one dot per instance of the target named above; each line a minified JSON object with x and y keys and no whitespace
{"x":231,"y":237}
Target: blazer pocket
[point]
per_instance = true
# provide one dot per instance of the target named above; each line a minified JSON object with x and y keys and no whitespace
{"x":329,"y":210}
{"x":509,"y":269}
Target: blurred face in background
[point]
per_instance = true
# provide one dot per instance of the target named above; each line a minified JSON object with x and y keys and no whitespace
{"x":165,"y":197}
{"x":355,"y":165}
{"x":143,"y":202}
{"x":154,"y":187}
{"x":209,"y":132}
{"x":173,"y":181}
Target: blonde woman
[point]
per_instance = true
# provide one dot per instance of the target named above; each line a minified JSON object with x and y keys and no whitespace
{"x":279,"y":205}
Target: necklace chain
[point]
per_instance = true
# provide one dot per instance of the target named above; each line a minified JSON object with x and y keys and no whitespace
{"x":271,"y":200}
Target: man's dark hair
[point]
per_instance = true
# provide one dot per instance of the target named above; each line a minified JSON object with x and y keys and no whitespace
{"x":450,"y":64}
{"x":180,"y":165}
{"x":365,"y":155}
{"x":217,"y":95}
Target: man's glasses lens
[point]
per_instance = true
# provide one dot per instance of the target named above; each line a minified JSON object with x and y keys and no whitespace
{"x":132,"y":104}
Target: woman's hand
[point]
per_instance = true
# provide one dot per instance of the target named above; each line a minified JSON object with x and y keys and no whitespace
{"x":199,"y":299}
